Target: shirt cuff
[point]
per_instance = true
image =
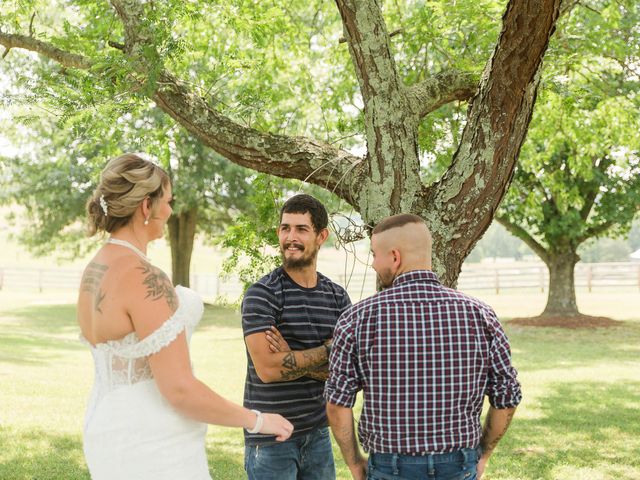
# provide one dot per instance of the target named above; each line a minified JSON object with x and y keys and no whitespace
{"x":509,"y":396}
{"x":342,"y":399}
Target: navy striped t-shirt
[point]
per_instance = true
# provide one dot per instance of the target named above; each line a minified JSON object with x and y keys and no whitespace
{"x":306,"y":318}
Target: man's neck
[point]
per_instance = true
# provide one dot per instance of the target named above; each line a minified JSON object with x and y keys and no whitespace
{"x":306,"y":277}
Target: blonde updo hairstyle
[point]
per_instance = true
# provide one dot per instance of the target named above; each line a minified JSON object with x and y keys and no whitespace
{"x":124,"y":183}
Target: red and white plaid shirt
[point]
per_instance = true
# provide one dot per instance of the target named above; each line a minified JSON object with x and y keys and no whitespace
{"x":425,"y":356}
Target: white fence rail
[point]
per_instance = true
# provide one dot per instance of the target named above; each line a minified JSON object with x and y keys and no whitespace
{"x":496,"y":277}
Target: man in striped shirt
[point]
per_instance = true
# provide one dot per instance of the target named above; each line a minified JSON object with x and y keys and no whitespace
{"x":424,"y":356}
{"x":288,"y":318}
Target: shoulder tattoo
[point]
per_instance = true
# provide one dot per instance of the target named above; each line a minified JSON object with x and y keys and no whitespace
{"x":91,"y":280}
{"x":158,"y":285}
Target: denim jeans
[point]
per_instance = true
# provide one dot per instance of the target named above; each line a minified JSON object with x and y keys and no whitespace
{"x":308,"y":457}
{"x":458,"y":465}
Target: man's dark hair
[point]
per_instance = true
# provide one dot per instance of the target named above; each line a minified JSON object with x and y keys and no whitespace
{"x":396,"y":221}
{"x":303,"y":203}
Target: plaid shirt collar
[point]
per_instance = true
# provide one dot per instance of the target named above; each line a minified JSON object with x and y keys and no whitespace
{"x":415,"y":276}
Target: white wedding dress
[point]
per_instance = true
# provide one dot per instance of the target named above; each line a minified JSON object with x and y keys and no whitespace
{"x":131,"y":432}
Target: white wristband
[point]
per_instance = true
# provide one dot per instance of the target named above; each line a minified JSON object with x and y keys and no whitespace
{"x":259,"y":422}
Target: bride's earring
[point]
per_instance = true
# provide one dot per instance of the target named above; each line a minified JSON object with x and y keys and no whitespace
{"x":146,"y":221}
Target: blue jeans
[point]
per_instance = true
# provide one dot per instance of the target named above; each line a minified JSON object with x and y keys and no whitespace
{"x":308,"y":457}
{"x":458,"y":465}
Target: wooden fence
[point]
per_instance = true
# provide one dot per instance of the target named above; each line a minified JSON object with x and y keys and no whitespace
{"x":496,"y":277}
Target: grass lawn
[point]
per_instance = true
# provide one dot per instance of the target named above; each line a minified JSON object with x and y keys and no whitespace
{"x":579,"y":418}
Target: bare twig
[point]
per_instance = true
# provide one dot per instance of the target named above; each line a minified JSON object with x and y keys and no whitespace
{"x":31,"y":24}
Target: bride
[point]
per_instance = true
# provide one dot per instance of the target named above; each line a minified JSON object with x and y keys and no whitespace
{"x":147,"y":414}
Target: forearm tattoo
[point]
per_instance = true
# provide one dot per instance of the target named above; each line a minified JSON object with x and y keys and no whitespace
{"x":312,"y":358}
{"x":91,"y":280}
{"x":158,"y":285}
{"x":321,"y":372}
{"x":487,"y":445}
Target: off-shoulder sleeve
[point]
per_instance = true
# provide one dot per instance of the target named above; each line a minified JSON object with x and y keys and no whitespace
{"x":132,"y":348}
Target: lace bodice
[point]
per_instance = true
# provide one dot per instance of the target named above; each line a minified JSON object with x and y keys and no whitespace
{"x":125,"y":361}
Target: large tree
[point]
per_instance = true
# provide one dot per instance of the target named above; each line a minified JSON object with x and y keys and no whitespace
{"x":174,"y":52}
{"x":579,"y":173}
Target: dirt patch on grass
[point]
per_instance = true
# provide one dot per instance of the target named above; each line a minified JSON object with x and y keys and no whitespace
{"x":572,"y":322}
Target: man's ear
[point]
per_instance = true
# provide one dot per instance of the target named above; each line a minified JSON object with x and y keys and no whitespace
{"x":323,"y":235}
{"x":397,"y":257}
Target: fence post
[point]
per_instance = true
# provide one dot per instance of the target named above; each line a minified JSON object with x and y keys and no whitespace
{"x":2,"y":277}
{"x":541,"y":276}
{"x":589,"y":277}
{"x":497,"y":282}
{"x":40,"y":280}
{"x":638,"y":277}
{"x":217,"y":286}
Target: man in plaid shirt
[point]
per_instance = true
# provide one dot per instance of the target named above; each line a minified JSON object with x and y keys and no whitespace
{"x":424,"y":356}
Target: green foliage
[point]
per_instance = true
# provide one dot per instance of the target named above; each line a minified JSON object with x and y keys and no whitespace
{"x":579,"y":170}
{"x":253,"y":235}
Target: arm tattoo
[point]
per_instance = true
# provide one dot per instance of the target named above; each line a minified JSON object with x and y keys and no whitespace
{"x":158,"y":285}
{"x":501,"y":434}
{"x":498,"y":436}
{"x":312,"y":358}
{"x":289,"y":361}
{"x":91,"y":283}
{"x":321,"y":372}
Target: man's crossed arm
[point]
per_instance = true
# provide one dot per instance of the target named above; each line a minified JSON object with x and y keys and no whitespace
{"x":276,"y":362}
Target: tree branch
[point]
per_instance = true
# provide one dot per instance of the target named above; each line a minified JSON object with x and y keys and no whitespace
{"x":67,"y":59}
{"x":594,"y":231}
{"x":497,"y":122}
{"x":523,"y":235}
{"x":589,"y":190}
{"x":289,"y":157}
{"x":370,"y":48}
{"x":392,"y":162}
{"x":443,"y":88}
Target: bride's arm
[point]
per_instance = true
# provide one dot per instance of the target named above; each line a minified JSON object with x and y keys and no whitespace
{"x":150,"y":301}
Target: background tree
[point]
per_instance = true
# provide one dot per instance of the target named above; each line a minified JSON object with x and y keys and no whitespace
{"x":243,"y":76}
{"x":53,"y":177}
{"x":579,"y":173}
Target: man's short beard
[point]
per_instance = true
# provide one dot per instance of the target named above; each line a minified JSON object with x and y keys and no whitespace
{"x":386,"y":284}
{"x":297,"y":263}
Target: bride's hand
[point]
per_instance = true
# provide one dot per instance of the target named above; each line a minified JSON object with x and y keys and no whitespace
{"x":277,"y":425}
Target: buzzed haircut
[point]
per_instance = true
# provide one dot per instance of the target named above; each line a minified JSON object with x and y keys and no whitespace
{"x":303,"y":203}
{"x":395,"y":221}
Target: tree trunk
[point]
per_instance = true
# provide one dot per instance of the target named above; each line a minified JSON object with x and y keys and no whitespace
{"x":182,"y":232}
{"x":562,"y":293}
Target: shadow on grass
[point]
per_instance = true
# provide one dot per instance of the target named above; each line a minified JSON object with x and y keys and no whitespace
{"x":41,"y":455}
{"x":35,"y":335}
{"x":48,"y":319}
{"x":33,"y":350}
{"x":551,"y":348}
{"x":585,"y":426}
